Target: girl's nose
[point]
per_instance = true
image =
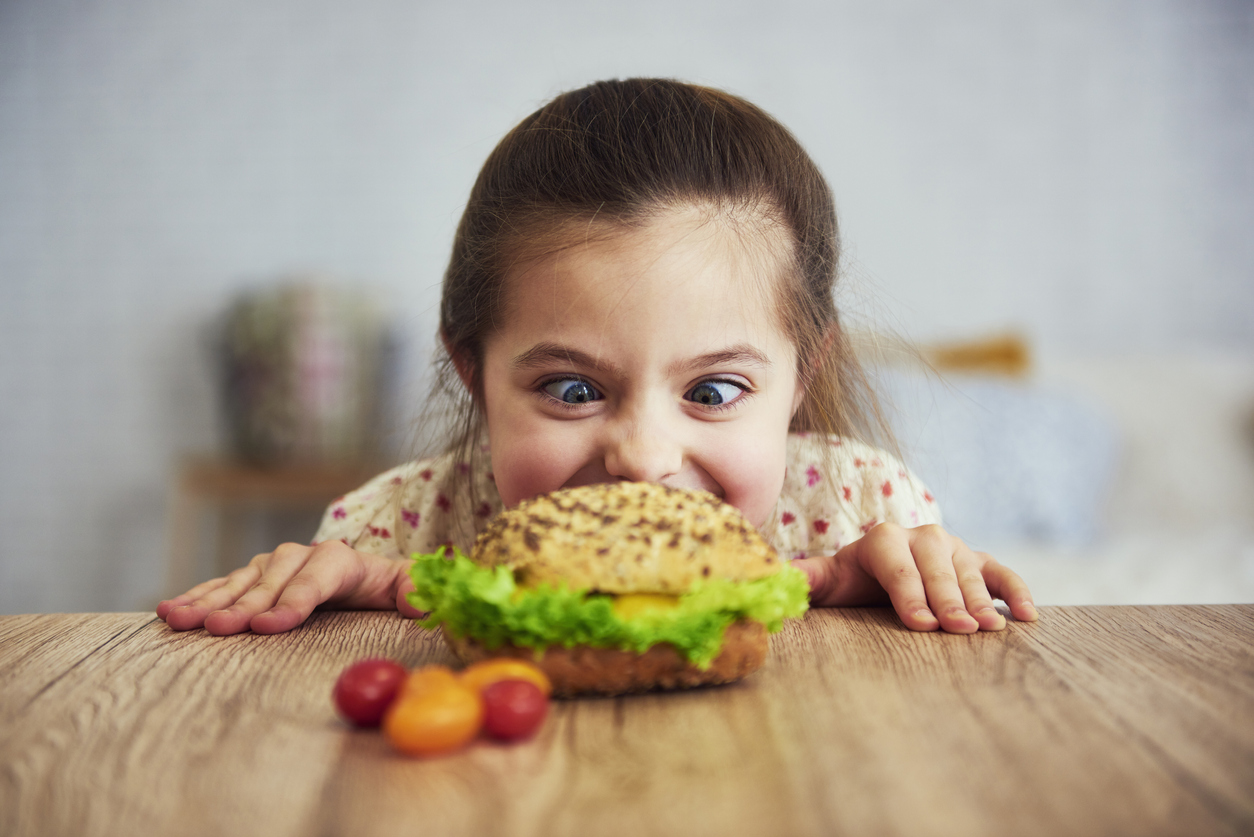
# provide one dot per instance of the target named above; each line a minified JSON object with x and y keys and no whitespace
{"x":643,"y":453}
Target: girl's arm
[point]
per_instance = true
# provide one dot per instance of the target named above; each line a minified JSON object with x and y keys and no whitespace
{"x":278,"y":590}
{"x":932,"y":579}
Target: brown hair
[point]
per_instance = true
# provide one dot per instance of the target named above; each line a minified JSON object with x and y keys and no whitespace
{"x":619,"y":152}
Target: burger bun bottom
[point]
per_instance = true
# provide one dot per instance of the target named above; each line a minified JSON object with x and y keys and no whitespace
{"x":583,"y":670}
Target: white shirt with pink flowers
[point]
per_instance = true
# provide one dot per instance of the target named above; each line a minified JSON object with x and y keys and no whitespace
{"x":835,"y":489}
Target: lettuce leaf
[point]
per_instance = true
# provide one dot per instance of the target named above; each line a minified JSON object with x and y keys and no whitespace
{"x":486,"y":604}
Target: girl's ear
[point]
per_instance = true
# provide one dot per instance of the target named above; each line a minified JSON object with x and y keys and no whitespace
{"x":464,"y":365}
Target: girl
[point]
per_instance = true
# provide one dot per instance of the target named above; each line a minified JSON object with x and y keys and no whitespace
{"x":641,"y":288}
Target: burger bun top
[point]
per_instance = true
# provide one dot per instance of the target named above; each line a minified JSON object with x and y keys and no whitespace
{"x":625,"y":537}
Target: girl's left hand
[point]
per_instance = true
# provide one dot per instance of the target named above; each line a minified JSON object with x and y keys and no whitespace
{"x":932,"y":579}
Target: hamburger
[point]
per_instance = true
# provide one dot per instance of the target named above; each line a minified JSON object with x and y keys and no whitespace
{"x":614,"y":588}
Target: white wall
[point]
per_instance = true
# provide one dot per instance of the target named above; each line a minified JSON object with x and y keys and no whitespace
{"x":1080,"y":170}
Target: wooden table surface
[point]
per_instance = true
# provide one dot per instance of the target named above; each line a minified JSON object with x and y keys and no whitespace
{"x":1095,"y":720}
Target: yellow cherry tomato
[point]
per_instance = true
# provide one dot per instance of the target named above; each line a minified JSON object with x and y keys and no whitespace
{"x":434,"y":721}
{"x":428,"y":678}
{"x":484,"y":673}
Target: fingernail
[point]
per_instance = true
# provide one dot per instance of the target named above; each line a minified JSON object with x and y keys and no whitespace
{"x":1031,"y":608}
{"x":924,"y":614}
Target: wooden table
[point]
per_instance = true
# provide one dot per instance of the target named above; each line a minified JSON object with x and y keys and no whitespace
{"x":1095,"y":720}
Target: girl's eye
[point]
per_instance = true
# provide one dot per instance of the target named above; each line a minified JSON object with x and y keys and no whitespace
{"x":572,"y":391}
{"x":713,"y":393}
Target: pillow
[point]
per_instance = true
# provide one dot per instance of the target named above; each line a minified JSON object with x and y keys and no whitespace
{"x":1006,"y":459}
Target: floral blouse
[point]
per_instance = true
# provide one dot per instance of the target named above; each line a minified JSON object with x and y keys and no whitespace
{"x":835,"y":490}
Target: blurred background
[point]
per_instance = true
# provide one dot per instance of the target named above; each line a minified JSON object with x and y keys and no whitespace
{"x":1074,"y":176}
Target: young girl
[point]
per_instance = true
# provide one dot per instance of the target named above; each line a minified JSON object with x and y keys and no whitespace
{"x":641,"y":288}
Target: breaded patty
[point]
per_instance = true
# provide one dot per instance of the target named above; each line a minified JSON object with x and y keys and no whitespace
{"x":610,"y":671}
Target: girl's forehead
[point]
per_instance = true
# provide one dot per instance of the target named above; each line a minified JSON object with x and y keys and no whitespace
{"x":696,"y":258}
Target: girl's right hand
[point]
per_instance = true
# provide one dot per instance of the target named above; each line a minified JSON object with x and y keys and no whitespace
{"x":278,"y":590}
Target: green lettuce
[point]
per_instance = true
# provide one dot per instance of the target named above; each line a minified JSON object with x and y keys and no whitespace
{"x":486,"y":604}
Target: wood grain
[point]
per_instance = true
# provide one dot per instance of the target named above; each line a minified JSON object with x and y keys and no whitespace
{"x":1092,"y":721}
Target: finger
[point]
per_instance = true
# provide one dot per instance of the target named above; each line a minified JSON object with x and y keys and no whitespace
{"x":213,"y":597}
{"x":164,"y":607}
{"x":403,"y":589}
{"x":821,"y":573}
{"x":968,"y":565}
{"x":204,"y":587}
{"x":1005,"y":584}
{"x":327,"y":574}
{"x":933,"y":552}
{"x":838,"y":580}
{"x":183,"y":599}
{"x":282,"y":617}
{"x":884,"y":553}
{"x":284,"y":563}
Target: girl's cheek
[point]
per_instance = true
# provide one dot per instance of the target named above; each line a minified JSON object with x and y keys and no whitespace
{"x":527,"y":462}
{"x":751,"y":476}
{"x":757,"y":500}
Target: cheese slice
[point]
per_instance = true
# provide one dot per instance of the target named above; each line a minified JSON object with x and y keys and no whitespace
{"x":631,"y":605}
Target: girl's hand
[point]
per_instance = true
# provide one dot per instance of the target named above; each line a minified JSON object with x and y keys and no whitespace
{"x":932,"y":579}
{"x":278,"y":590}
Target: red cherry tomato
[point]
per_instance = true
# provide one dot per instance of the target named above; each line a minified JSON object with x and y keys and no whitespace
{"x":366,"y":689}
{"x":513,"y":709}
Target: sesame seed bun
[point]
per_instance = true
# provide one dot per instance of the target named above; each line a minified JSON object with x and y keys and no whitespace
{"x":626,"y":537}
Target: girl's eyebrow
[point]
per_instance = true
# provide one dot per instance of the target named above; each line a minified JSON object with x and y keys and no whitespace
{"x":742,"y":354}
{"x":543,"y":354}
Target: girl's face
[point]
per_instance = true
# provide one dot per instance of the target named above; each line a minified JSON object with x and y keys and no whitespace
{"x":652,"y":355}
